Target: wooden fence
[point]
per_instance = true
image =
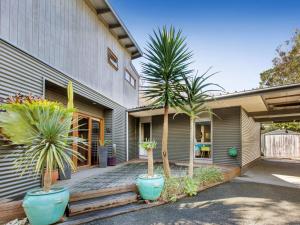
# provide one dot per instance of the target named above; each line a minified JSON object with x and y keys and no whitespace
{"x":282,"y":146}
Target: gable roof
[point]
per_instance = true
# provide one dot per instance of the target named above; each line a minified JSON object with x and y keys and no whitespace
{"x":116,"y":26}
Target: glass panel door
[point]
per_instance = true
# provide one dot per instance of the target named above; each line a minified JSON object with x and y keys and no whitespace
{"x":83,"y":132}
{"x":203,"y":145}
{"x":95,"y":142}
{"x":145,"y":134}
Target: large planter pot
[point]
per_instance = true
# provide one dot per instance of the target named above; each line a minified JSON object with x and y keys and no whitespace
{"x":150,"y":188}
{"x":43,"y":208}
{"x":102,"y":153}
{"x":112,"y":161}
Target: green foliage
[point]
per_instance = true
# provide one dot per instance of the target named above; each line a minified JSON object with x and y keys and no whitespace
{"x":196,"y":92}
{"x":190,"y":186}
{"x":168,"y":59}
{"x":286,"y":65}
{"x":207,"y":175}
{"x":148,"y":145}
{"x":106,"y":143}
{"x":177,"y":186}
{"x":294,"y":126}
{"x":42,"y":127}
{"x":173,"y":188}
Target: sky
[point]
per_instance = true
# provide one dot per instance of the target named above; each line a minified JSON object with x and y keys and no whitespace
{"x":237,"y":38}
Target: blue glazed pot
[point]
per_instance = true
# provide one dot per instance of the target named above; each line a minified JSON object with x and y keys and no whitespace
{"x":150,"y":188}
{"x":43,"y":208}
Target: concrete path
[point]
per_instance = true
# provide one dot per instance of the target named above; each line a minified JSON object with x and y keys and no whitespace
{"x":237,"y":202}
{"x":284,"y":173}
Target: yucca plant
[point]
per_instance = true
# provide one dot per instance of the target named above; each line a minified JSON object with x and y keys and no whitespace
{"x":196,"y":93}
{"x":149,"y":146}
{"x":42,"y":127}
{"x":167,"y":63}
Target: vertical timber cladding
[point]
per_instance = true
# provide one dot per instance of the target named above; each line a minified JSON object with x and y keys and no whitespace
{"x":250,"y":139}
{"x":20,"y":72}
{"x":179,"y":136}
{"x":226,"y":134}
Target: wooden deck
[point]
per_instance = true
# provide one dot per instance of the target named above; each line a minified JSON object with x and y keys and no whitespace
{"x":87,"y":198}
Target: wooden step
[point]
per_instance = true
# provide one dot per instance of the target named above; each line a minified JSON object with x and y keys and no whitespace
{"x":102,"y":192}
{"x":102,"y":214}
{"x":104,"y":202}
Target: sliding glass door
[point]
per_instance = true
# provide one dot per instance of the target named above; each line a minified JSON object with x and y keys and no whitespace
{"x":203,"y":142}
{"x":90,"y":129}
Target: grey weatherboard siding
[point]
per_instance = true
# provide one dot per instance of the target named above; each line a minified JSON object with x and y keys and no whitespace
{"x":226,"y":134}
{"x":20,"y":72}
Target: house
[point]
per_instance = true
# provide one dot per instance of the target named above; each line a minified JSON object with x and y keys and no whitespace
{"x":235,"y":123}
{"x":43,"y":45}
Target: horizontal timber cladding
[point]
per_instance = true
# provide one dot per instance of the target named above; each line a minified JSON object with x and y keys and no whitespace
{"x":20,"y":72}
{"x":178,"y":142}
{"x":250,"y":139}
{"x":226,"y":134}
{"x":133,"y":137}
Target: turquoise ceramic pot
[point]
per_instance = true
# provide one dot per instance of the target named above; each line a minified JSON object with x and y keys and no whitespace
{"x":150,"y":188}
{"x":45,"y":208}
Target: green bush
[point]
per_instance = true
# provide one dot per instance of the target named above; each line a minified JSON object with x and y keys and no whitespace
{"x":172,"y":189}
{"x":207,"y":175}
{"x":190,"y":186}
{"x":176,"y":186}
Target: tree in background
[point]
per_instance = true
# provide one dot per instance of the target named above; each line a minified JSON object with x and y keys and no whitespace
{"x":286,"y":70}
{"x":167,"y":64}
{"x":286,"y":65}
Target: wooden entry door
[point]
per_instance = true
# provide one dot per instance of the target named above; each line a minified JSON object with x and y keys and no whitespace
{"x":90,"y":129}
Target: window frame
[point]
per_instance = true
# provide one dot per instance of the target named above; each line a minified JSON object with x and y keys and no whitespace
{"x":131,"y":77}
{"x":112,"y":59}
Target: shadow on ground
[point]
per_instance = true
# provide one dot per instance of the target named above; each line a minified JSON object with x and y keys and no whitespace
{"x":236,"y":202}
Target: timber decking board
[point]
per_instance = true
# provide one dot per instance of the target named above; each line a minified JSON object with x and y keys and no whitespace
{"x":105,"y":202}
{"x":102,"y":192}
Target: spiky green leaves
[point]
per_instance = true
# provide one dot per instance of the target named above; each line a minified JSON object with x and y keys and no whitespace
{"x":167,"y":63}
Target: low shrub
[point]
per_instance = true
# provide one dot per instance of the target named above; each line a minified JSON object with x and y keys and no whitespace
{"x":176,"y":186}
{"x":207,"y":175}
{"x":190,"y":186}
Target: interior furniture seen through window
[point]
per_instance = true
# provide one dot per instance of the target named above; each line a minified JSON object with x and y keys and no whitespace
{"x":112,"y":59}
{"x":203,"y":140}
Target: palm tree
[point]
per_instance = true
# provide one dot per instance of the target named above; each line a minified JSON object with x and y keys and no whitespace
{"x":193,"y":104}
{"x":167,"y":61}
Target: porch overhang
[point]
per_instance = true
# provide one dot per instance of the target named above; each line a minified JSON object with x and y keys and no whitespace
{"x":273,"y":104}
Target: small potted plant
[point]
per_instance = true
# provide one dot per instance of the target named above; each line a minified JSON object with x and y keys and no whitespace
{"x":112,"y":160}
{"x":41,"y":129}
{"x":103,"y":153}
{"x":150,"y":185}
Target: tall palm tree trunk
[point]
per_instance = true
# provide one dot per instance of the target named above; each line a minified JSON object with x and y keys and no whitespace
{"x":47,"y":180}
{"x":150,"y":162}
{"x":164,"y":151}
{"x":192,"y":136}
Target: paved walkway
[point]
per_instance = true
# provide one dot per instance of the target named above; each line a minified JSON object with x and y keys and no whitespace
{"x":277,"y":172}
{"x":234,"y":203}
{"x":114,"y":176}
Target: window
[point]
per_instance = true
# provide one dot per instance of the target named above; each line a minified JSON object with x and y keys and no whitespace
{"x":203,"y":140}
{"x":112,"y":59}
{"x":131,"y":80}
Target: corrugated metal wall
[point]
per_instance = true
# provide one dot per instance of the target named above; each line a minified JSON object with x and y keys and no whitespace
{"x":179,"y":131}
{"x":250,"y":139}
{"x":226,"y":134}
{"x":20,"y":72}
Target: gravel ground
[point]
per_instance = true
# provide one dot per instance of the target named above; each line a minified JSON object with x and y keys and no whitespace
{"x":237,"y":202}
